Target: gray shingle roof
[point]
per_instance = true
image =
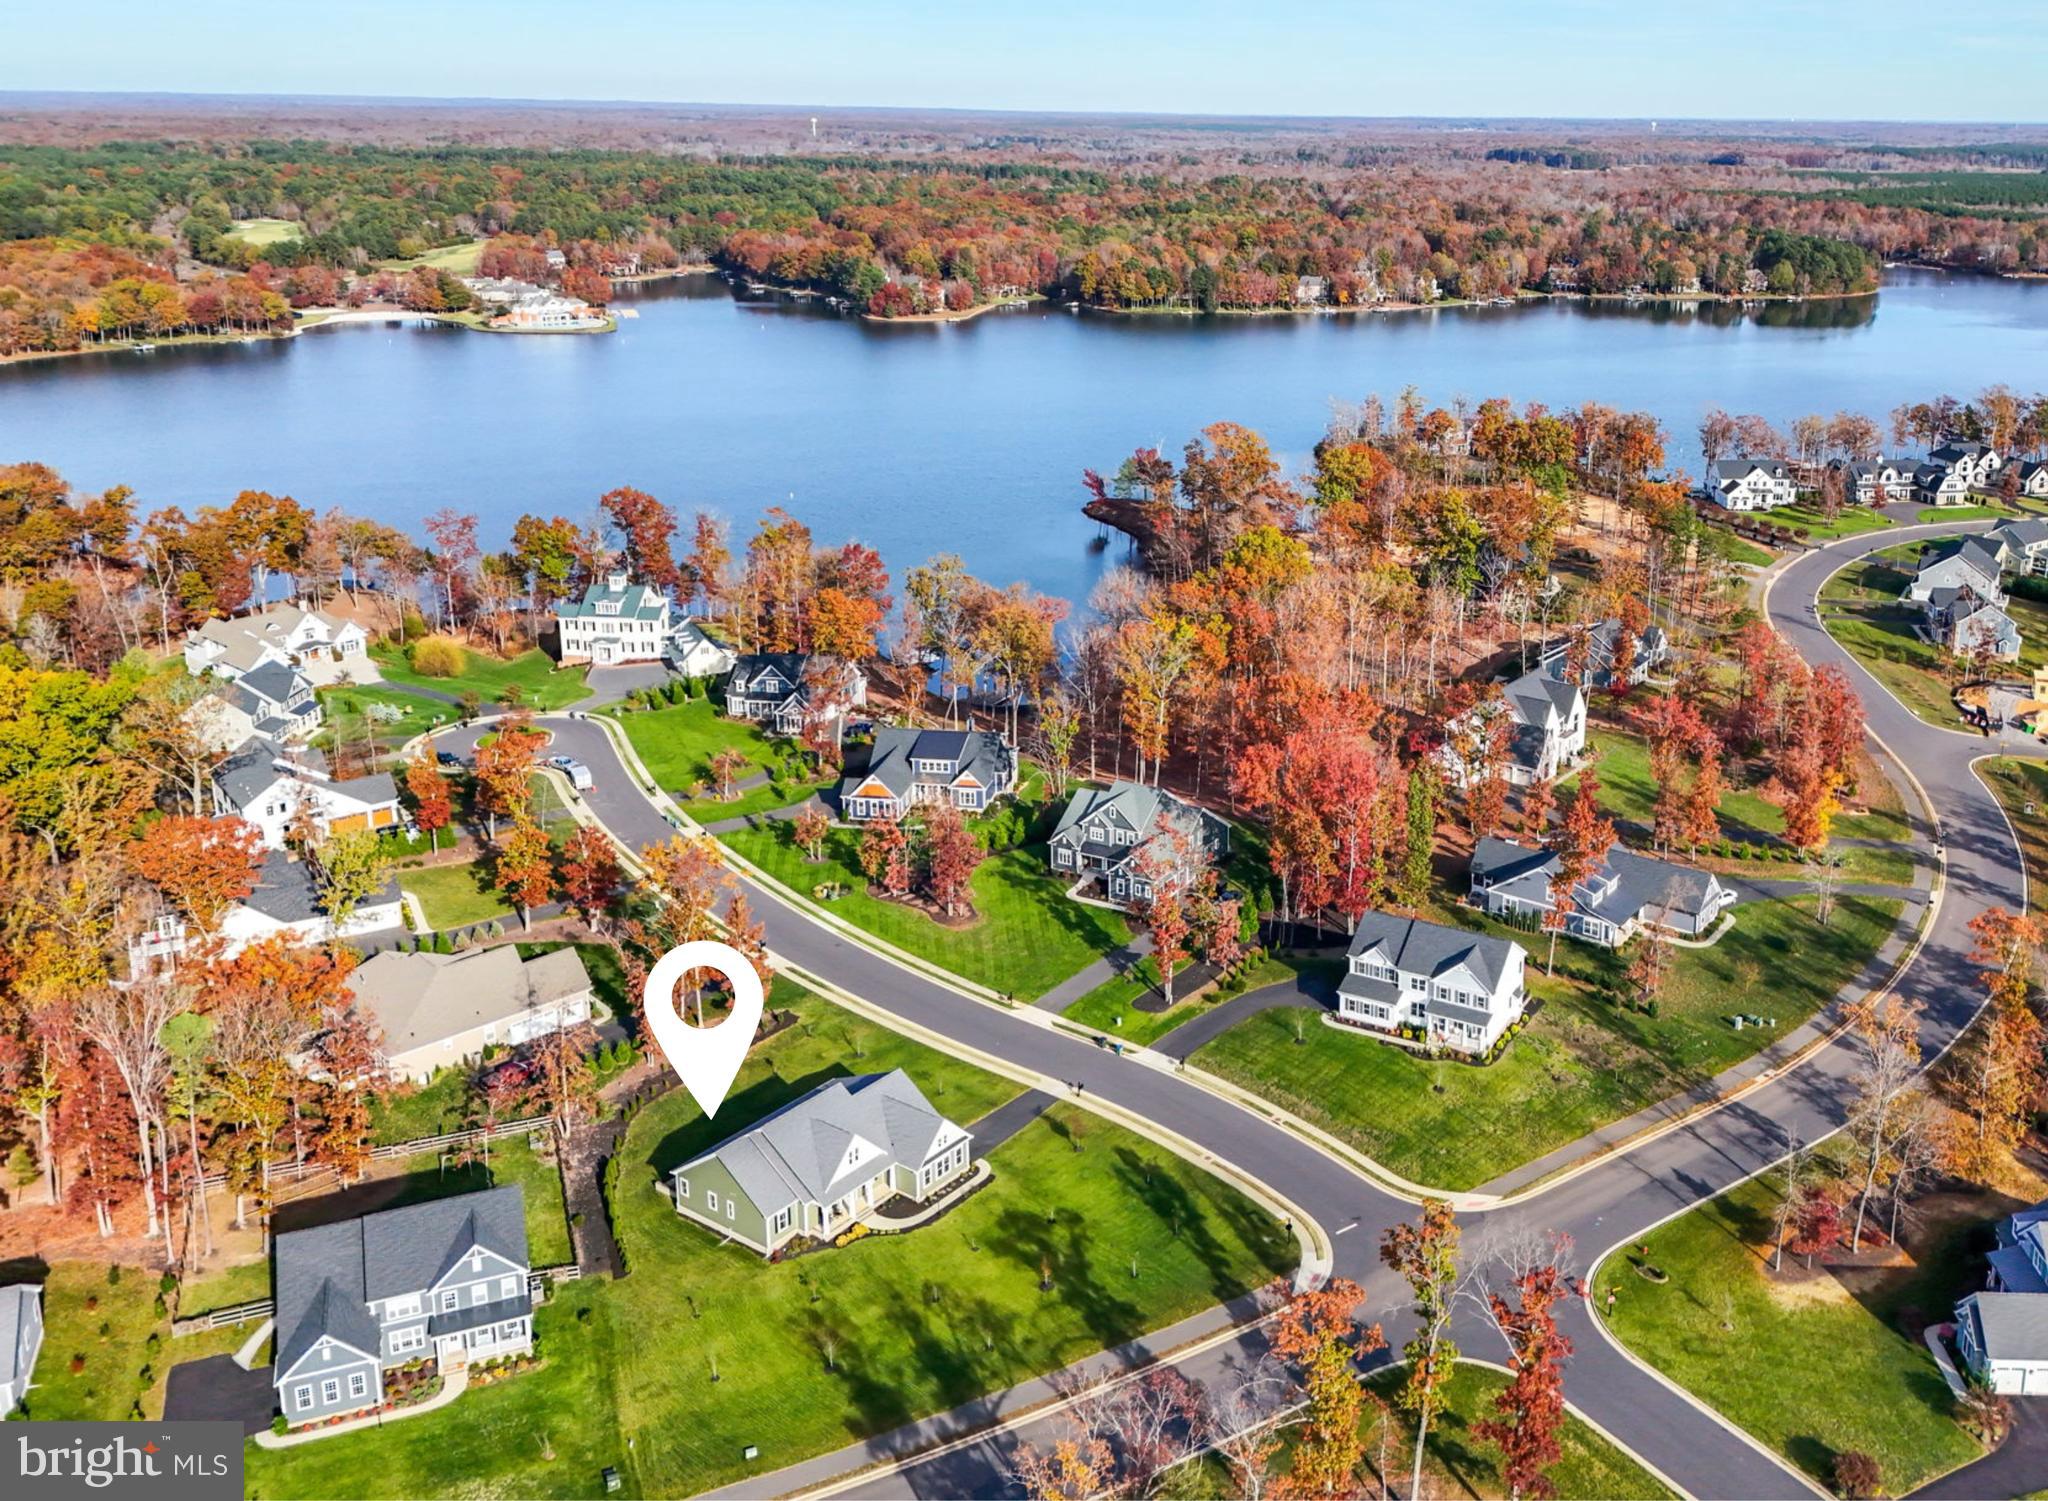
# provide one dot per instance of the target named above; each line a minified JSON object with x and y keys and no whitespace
{"x":15,"y":1357}
{"x":794,"y":1155}
{"x":286,"y":891}
{"x":788,"y":665}
{"x":2032,"y":532}
{"x":1139,"y":806}
{"x":423,"y":998}
{"x":273,"y":682}
{"x":1970,"y":551}
{"x":1638,"y":881}
{"x":1736,"y":468}
{"x":327,"y":1276}
{"x":2013,"y":1326}
{"x":1415,"y":947}
{"x":981,"y":753}
{"x":634,"y":601}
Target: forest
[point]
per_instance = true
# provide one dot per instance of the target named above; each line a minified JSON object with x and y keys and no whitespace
{"x":1241,"y":226}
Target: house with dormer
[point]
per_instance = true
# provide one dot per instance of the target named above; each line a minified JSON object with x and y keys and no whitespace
{"x":1873,"y":482}
{"x":772,"y":688}
{"x":2020,"y":546}
{"x":1624,"y":894}
{"x":1938,"y":485}
{"x":2033,"y":482}
{"x":1975,"y":464}
{"x":1104,"y":831}
{"x":2002,"y":1332}
{"x":823,"y":1163}
{"x":1747,"y":484}
{"x":1460,"y":990}
{"x":445,"y":1282}
{"x":1652,"y":649}
{"x":968,"y":768}
{"x":1973,"y":563}
{"x":325,"y":648}
{"x":1546,"y":735}
{"x":615,"y":621}
{"x":1963,"y":624}
{"x":696,"y":653}
{"x":274,"y":785}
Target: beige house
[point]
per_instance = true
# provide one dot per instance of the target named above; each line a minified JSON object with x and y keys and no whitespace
{"x":438,"y":1009}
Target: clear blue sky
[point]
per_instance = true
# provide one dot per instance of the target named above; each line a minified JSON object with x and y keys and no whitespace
{"x":1778,"y":59}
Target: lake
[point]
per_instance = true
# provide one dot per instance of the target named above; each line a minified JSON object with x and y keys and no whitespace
{"x":966,"y":437}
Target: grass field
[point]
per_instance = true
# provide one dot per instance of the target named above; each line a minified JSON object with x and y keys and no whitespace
{"x":348,"y":708}
{"x":676,"y":743}
{"x":264,"y":233}
{"x":1850,"y":522}
{"x":458,"y":260}
{"x":1800,"y":1363}
{"x":453,"y":896}
{"x":1582,"y":1061}
{"x":224,"y":1289}
{"x":99,"y":1318}
{"x":534,"y":672}
{"x":705,"y":1348}
{"x":1029,"y":936}
{"x":2021,"y":787}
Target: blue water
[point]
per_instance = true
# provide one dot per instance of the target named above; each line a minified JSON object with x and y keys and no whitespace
{"x":918,"y":439}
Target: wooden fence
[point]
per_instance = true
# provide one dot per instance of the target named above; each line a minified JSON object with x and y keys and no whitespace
{"x":292,"y":1172}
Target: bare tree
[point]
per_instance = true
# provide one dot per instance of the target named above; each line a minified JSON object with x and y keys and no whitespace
{"x":1888,"y":1037}
{"x":1788,"y":1184}
{"x":1241,"y":1422}
{"x":1823,"y":872}
{"x":126,"y":1022}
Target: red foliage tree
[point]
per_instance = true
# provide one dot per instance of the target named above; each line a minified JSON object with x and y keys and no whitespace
{"x":201,"y":865}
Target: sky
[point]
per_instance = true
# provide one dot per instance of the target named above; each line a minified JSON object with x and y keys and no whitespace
{"x":1632,"y":59}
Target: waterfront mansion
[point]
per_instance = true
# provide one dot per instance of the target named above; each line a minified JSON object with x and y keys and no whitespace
{"x":615,"y":621}
{"x":1459,"y":990}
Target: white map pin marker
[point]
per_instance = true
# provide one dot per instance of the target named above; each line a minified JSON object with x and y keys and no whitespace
{"x":706,"y":1059}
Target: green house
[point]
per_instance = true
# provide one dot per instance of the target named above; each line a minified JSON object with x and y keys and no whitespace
{"x":824,"y":1162}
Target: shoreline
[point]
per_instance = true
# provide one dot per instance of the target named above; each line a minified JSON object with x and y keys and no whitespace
{"x":302,"y":320}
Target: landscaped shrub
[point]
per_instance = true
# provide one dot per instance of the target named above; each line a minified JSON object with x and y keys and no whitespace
{"x":437,"y":657}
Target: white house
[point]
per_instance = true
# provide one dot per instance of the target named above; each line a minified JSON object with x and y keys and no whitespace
{"x":325,"y":648}
{"x":1874,"y":482}
{"x":1460,"y":990}
{"x":1975,"y":464}
{"x":1940,"y":485}
{"x":21,"y":1338}
{"x":2021,"y":546}
{"x":1625,"y":893}
{"x":287,"y":900}
{"x":2002,"y":1332}
{"x":267,"y":783}
{"x":2034,"y":478}
{"x":1653,"y":647}
{"x":615,"y":621}
{"x":696,"y":653}
{"x":439,"y":1009}
{"x":1746,"y":484}
{"x":1547,"y":730}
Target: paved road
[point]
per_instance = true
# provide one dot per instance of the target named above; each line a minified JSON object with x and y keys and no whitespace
{"x":1618,"y":1200}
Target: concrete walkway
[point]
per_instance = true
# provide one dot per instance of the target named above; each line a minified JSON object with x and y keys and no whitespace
{"x":451,"y":1388}
{"x":1116,"y":962}
{"x":253,"y":1345}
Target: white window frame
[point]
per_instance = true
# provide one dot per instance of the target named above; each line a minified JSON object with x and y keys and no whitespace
{"x":358,"y":1384}
{"x":330,"y":1389}
{"x":451,"y":1299}
{"x":302,"y":1396}
{"x":711,"y":1201}
{"x":508,"y":1287}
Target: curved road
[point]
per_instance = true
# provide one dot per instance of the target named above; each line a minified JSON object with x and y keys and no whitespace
{"x":1618,"y":1199}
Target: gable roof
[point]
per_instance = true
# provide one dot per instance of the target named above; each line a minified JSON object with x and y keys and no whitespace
{"x":788,"y":665}
{"x":982,"y":754}
{"x":286,"y":891}
{"x":2011,"y":1326}
{"x":1970,"y":553}
{"x":274,"y":682}
{"x":1415,"y":947}
{"x":1619,"y":889}
{"x":327,"y":1276}
{"x":795,"y":1154}
{"x":1141,"y":807}
{"x":2023,"y":534}
{"x":1535,"y":696}
{"x":1728,"y":471}
{"x":423,"y":998}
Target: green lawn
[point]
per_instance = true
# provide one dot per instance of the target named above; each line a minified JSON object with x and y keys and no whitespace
{"x":408,"y":1113}
{"x":106,"y":1325}
{"x":1849,"y":522}
{"x":1629,"y":791}
{"x":2022,"y":787}
{"x":347,"y":709}
{"x":705,"y":1349}
{"x":676,"y":743}
{"x":224,"y":1289}
{"x":1967,"y":513}
{"x":454,"y":896}
{"x":264,"y":233}
{"x":1028,"y":938}
{"x":1582,"y":1061}
{"x":545,"y":686}
{"x":460,"y":259}
{"x":1109,"y":1008}
{"x":1809,"y":1370}
{"x":1724,"y":543}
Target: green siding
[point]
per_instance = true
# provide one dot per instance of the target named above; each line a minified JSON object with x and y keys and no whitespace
{"x":711,"y":1176}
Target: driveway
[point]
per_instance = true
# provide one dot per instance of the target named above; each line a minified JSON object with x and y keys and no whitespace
{"x":2018,"y":1467}
{"x":217,"y":1390}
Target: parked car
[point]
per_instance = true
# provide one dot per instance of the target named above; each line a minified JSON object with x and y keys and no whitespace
{"x":578,"y":774}
{"x":447,"y":758}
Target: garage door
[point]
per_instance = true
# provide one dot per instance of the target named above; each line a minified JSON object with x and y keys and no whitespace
{"x":2033,"y":1380}
{"x":349,"y":823}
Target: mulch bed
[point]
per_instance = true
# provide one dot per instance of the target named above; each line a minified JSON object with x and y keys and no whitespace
{"x":929,"y":908}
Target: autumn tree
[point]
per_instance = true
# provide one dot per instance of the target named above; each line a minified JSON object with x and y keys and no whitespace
{"x":1425,"y":1256}
{"x":1580,"y":843}
{"x":1816,"y":1224}
{"x":561,"y":1063}
{"x":350,"y":869}
{"x":686,"y":877}
{"x":1888,"y":1044}
{"x":504,"y":770}
{"x":525,"y":868}
{"x":951,"y":855}
{"x":433,"y":806}
{"x":885,"y":855}
{"x":809,"y":828}
{"x":645,"y":528}
{"x":726,"y":765}
{"x":591,"y":876}
{"x":1318,"y":1333}
{"x":202,"y":866}
{"x":1531,"y":1406}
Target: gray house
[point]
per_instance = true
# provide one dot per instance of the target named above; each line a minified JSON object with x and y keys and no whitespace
{"x":1652,"y":647}
{"x":278,"y":700}
{"x":1962,"y":623}
{"x":444,"y":1281}
{"x":1625,"y":893}
{"x":1462,"y":990}
{"x":969,"y":768}
{"x":1103,"y":830}
{"x":822,"y":1162}
{"x":2002,"y":1332}
{"x":21,"y":1337}
{"x":769,"y":687}
{"x":2022,"y":546}
{"x":1973,"y":563}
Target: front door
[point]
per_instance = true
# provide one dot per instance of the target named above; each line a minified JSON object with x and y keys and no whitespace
{"x":451,"y":1354}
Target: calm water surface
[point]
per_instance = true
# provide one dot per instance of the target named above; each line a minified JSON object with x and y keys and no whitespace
{"x":963,"y":437}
